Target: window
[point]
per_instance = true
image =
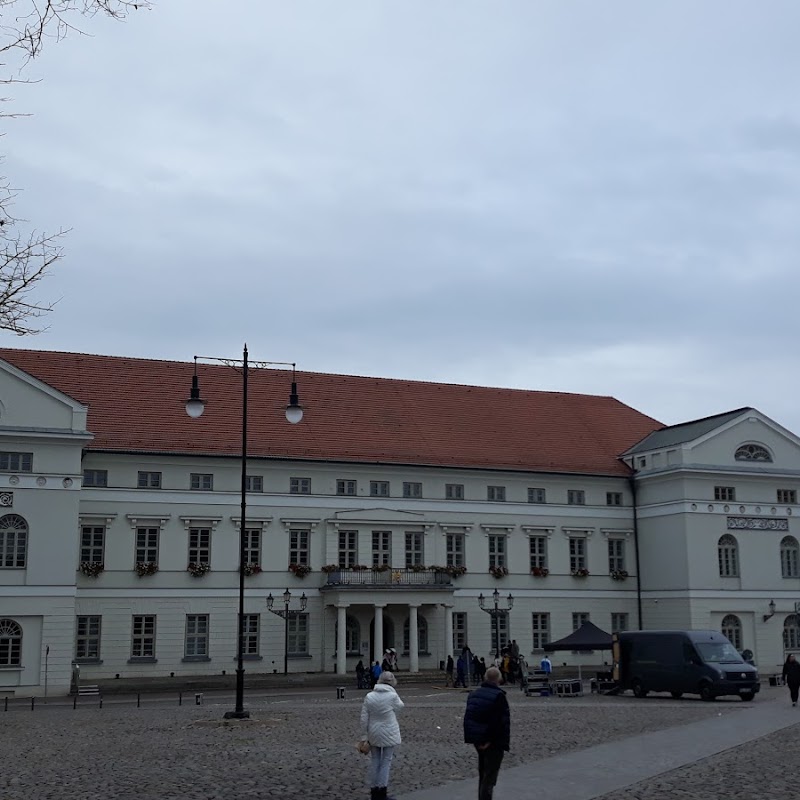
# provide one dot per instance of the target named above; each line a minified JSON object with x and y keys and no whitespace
{"x":790,"y":557}
{"x":497,"y":550}
{"x":788,"y":496}
{"x":201,"y":481}
{"x":459,"y":631}
{"x":195,"y":644}
{"x":143,"y":636}
{"x":576,"y":497}
{"x":577,"y":553}
{"x":616,"y":555}
{"x":381,"y":548}
{"x":728,"y":554}
{"x":415,"y":549}
{"x":724,"y":493}
{"x":753,"y":452}
{"x":496,"y":494}
{"x":541,"y":630}
{"x":87,"y":638}
{"x":148,"y":480}
{"x":252,"y":546}
{"x":297,"y":642}
{"x":298,"y":547}
{"x":412,"y":489}
{"x":346,"y":487}
{"x":10,"y":643}
{"x":536,"y":496}
{"x":93,"y":538}
{"x":147,"y":545}
{"x":641,"y":462}
{"x":619,"y":622}
{"x":613,"y":498}
{"x":254,"y":483}
{"x":454,"y":545}
{"x":348,"y":548}
{"x":16,"y":462}
{"x":299,"y":485}
{"x":538,"y":551}
{"x":379,"y":488}
{"x":732,"y":628}
{"x":499,"y":631}
{"x":13,"y":542}
{"x":791,"y":632}
{"x":454,"y":491}
{"x":352,"y":636}
{"x":199,"y":545}
{"x":95,"y":477}
{"x":422,"y":635}
{"x":578,"y":618}
{"x":251,"y":637}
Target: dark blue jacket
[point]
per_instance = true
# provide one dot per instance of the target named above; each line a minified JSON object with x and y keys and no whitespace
{"x":488,"y":718}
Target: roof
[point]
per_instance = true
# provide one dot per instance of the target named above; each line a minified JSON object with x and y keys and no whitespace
{"x":137,"y":405}
{"x":587,"y":637}
{"x":672,"y":435}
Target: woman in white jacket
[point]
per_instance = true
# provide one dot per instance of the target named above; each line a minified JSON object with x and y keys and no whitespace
{"x":380,"y":728}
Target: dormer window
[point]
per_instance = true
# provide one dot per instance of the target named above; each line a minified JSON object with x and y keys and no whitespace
{"x":753,"y":452}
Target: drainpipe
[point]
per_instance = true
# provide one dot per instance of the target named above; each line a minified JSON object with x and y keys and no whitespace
{"x":632,"y":481}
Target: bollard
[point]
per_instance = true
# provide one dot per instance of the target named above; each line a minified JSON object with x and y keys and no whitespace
{"x":33,"y":701}
{"x":340,"y":692}
{"x":138,"y":700}
{"x":5,"y":704}
{"x":74,"y":702}
{"x":198,"y":699}
{"x":101,"y":702}
{"x":180,"y":698}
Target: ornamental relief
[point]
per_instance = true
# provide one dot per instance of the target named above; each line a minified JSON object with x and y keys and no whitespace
{"x":757,"y":524}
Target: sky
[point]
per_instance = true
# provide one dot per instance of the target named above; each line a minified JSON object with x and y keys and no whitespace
{"x":570,"y":196}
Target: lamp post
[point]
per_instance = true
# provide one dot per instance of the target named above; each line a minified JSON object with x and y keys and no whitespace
{"x":285,"y":613}
{"x":495,"y":613}
{"x":195,"y":406}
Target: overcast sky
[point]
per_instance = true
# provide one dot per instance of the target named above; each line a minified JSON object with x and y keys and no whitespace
{"x":585,"y":197}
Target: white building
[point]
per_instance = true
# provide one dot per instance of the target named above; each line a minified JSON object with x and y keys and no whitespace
{"x":581,"y":506}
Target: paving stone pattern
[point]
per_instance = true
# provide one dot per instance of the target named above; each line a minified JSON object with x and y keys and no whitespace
{"x":302,"y":746}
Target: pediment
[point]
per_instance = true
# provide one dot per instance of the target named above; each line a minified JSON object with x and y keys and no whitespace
{"x":387,"y":516}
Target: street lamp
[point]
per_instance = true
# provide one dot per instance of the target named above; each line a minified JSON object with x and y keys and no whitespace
{"x":285,"y":613}
{"x":195,"y":406}
{"x":495,"y":613}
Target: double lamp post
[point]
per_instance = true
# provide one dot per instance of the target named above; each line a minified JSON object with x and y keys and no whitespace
{"x":495,"y":613}
{"x":195,"y":406}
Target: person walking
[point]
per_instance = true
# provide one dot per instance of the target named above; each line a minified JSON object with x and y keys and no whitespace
{"x":546,"y":665}
{"x":375,"y":672}
{"x":361,"y":681}
{"x":461,"y":672}
{"x":791,"y":675}
{"x":448,"y":672}
{"x":487,"y":725}
{"x":380,"y":728}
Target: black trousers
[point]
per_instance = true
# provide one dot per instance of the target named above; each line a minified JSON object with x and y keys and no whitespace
{"x":489,"y":761}
{"x":793,"y":689}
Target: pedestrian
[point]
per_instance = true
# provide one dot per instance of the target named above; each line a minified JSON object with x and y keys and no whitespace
{"x":514,"y":649}
{"x":375,"y":672}
{"x":482,"y":673}
{"x":380,"y":728}
{"x":361,"y":682}
{"x":467,"y":653}
{"x":448,"y":671}
{"x":546,"y":665}
{"x":791,"y":675}
{"x":461,"y":672}
{"x":476,"y":670}
{"x":386,"y":664}
{"x":487,"y":725}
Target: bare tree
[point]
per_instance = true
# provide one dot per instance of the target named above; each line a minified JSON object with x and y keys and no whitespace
{"x":27,"y":256}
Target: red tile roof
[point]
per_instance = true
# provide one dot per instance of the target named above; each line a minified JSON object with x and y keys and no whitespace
{"x":138,"y":405}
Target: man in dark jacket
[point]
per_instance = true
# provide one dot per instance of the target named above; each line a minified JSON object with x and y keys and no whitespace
{"x":487,"y":725}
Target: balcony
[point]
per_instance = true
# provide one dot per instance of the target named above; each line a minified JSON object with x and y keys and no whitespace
{"x":369,"y":578}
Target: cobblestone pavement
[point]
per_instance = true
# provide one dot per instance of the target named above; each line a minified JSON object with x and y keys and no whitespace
{"x":302,"y":746}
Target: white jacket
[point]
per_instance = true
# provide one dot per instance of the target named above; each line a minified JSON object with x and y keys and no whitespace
{"x":378,"y":721}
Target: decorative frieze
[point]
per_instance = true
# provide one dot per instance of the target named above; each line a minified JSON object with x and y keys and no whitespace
{"x":757,"y":524}
{"x":7,"y":499}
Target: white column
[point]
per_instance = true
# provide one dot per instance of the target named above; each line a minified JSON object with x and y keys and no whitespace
{"x":448,"y":631}
{"x":413,"y":638}
{"x":341,"y":640}
{"x":378,"y":639}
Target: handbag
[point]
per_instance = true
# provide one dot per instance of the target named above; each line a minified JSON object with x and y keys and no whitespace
{"x":363,"y":746}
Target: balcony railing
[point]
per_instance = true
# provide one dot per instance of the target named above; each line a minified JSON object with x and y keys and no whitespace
{"x":388,"y":578}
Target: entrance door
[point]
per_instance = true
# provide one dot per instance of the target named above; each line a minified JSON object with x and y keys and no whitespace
{"x":388,"y":634}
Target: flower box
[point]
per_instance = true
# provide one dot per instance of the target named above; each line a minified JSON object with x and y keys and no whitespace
{"x":328,"y":568}
{"x":144,"y":568}
{"x":252,"y":569}
{"x":299,"y":570}
{"x":498,"y":572}
{"x":198,"y":569}
{"x":92,"y":568}
{"x":580,"y":573}
{"x":540,"y":572}
{"x":618,"y":574}
{"x":381,"y":568}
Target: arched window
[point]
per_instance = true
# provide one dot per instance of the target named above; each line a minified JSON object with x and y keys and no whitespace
{"x":791,"y":632}
{"x":10,"y":643}
{"x":422,"y":631}
{"x":753,"y":452}
{"x":728,"y":553}
{"x":13,"y":541}
{"x":352,"y":635}
{"x":732,"y":628}
{"x":790,"y":557}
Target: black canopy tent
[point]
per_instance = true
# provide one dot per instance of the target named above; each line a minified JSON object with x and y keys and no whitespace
{"x":587,"y":637}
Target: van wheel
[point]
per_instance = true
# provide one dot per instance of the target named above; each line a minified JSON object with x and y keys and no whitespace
{"x":706,"y":692}
{"x":677,"y":695}
{"x":747,"y":695}
{"x":638,"y":689}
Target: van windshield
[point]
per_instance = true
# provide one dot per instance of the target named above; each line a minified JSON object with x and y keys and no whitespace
{"x":718,"y":653}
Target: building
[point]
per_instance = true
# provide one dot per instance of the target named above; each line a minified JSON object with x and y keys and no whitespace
{"x":392,"y":508}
